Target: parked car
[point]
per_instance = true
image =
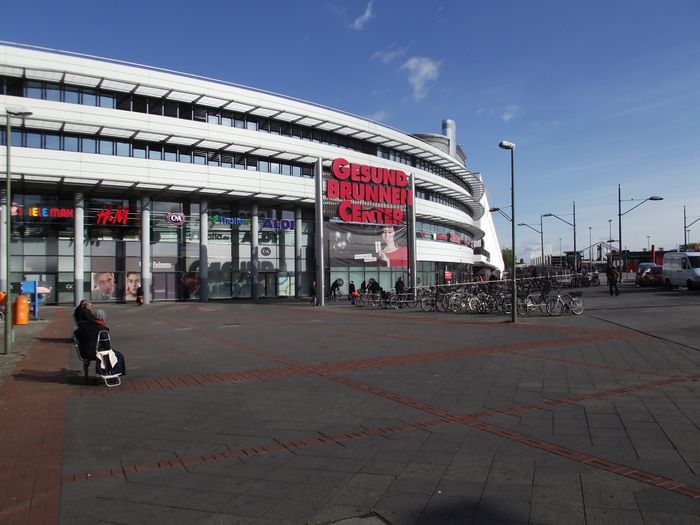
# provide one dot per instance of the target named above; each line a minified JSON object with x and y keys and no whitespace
{"x":641,"y":269}
{"x":652,"y":277}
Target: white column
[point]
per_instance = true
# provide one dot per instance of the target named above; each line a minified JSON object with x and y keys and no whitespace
{"x":320,"y":264}
{"x":78,"y":248}
{"x":203,"y":251}
{"x":254,"y":236}
{"x":146,"y":275}
{"x":298,"y":292}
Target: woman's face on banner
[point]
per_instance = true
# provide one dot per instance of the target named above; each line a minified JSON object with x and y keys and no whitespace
{"x":388,"y":235}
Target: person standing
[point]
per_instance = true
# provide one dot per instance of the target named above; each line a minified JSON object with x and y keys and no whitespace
{"x":352,"y":292}
{"x":314,"y":294}
{"x":613,"y":277}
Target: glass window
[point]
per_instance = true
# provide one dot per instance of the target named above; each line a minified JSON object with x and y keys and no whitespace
{"x":106,"y":147}
{"x":263,"y":165}
{"x":53,"y":92}
{"x":155,"y":152}
{"x":107,"y":101}
{"x":33,"y":139}
{"x":252,"y":164}
{"x":296,"y":171}
{"x":226,"y":121}
{"x":252,"y":124}
{"x":53,"y":141}
{"x":239,"y":162}
{"x":170,"y":153}
{"x":274,"y":167}
{"x":33,"y":89}
{"x":88,"y":98}
{"x":170,"y":108}
{"x":139,"y":151}
{"x":200,"y":157}
{"x":239,"y":123}
{"x":123,"y":102}
{"x":155,"y":106}
{"x":275,"y":127}
{"x":71,"y":95}
{"x":123,"y":149}
{"x":213,"y":119}
{"x":139,"y":104}
{"x":70,"y":143}
{"x":226,"y":160}
{"x":286,"y":169}
{"x":213,"y":158}
{"x":186,"y":155}
{"x":89,"y":146}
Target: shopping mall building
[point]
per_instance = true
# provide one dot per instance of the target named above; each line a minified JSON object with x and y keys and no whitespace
{"x":202,"y":189}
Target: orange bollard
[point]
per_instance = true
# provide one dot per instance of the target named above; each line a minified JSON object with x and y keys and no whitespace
{"x":20,"y":312}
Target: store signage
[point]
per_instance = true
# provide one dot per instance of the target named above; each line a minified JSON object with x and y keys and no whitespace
{"x":269,"y":224}
{"x":176,"y":218}
{"x":107,"y":215}
{"x":448,"y":276}
{"x":41,"y":212}
{"x":363,"y":190}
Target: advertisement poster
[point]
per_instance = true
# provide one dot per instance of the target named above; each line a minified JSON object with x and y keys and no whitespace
{"x":366,"y":245}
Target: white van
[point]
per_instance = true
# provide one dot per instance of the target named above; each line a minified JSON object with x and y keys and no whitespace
{"x":681,"y":269}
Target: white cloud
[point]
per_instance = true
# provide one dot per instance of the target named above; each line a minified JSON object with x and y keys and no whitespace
{"x":360,"y":21}
{"x":389,"y":55}
{"x":379,"y":116}
{"x":421,"y":70}
{"x":510,"y":112}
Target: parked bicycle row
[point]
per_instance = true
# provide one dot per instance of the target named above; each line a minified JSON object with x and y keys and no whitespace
{"x":539,"y":294}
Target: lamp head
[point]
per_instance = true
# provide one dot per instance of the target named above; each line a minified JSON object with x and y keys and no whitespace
{"x":522,"y":224}
{"x":504,"y":144}
{"x":494,"y":209}
{"x":547,"y":215}
{"x":18,"y":113}
{"x":656,"y":198}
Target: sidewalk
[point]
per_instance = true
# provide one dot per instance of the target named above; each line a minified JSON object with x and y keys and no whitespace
{"x":286,"y":414}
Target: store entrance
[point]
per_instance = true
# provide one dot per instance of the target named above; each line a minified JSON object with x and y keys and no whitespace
{"x":268,"y":284}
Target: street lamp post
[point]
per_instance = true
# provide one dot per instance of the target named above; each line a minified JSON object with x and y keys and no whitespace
{"x":623,"y":258}
{"x":590,"y":247}
{"x":8,"y":225}
{"x":541,"y":237}
{"x":686,"y":228}
{"x":504,"y":144}
{"x":573,"y":225}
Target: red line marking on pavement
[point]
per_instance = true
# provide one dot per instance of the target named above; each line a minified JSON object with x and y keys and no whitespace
{"x":445,"y":417}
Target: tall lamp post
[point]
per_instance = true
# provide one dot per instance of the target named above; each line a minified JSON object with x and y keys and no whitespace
{"x":686,"y":229}
{"x":590,"y":247}
{"x":573,"y":225}
{"x":623,"y":258}
{"x":541,"y":237}
{"x":504,"y":144}
{"x":8,"y":235}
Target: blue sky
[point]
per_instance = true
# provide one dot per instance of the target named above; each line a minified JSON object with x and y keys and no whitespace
{"x":594,"y":94}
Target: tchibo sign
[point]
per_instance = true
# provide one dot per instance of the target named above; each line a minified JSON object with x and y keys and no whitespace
{"x":368,"y":184}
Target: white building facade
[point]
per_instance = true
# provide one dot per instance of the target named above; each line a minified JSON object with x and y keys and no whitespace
{"x":201,"y":189}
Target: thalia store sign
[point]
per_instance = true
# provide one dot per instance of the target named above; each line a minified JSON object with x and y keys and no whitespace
{"x":365,"y":191}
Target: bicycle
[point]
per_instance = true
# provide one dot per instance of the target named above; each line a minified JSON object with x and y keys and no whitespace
{"x":572,"y":302}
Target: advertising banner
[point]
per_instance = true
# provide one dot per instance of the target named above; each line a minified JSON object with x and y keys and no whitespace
{"x":379,"y":246}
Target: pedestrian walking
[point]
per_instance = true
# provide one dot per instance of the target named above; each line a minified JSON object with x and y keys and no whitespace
{"x":613,"y":277}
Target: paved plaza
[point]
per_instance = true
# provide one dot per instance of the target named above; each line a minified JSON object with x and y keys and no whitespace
{"x":280,"y":413}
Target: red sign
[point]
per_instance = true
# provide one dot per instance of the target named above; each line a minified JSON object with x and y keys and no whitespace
{"x":368,"y":184}
{"x":108,"y":216}
{"x":448,"y":276}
